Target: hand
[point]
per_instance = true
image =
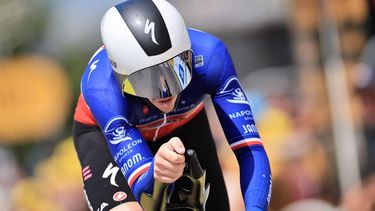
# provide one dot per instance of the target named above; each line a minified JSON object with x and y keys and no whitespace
{"x":169,"y":161}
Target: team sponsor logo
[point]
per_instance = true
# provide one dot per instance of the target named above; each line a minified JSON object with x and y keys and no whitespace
{"x":119,"y":135}
{"x":249,"y":128}
{"x":178,"y":115}
{"x":93,"y":67}
{"x":184,"y":108}
{"x":119,"y":196}
{"x":86,"y":173}
{"x":102,"y":206}
{"x":115,"y":130}
{"x":131,"y":162}
{"x":150,"y":30}
{"x":246,"y":114}
{"x":126,"y":150}
{"x":148,"y":119}
{"x":233,"y":87}
{"x":238,"y":97}
{"x":150,"y":27}
{"x":111,"y":171}
{"x":198,"y":61}
{"x":96,"y":53}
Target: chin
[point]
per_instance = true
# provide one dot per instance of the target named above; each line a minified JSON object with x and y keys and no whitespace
{"x":166,"y":110}
{"x":165,"y":105}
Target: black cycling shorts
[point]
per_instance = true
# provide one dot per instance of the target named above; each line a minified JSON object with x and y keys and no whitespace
{"x":106,"y":187}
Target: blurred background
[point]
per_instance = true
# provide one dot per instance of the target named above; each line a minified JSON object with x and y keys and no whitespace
{"x":307,"y":67}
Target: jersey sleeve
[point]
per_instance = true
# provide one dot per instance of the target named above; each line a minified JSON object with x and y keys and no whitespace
{"x":131,"y":153}
{"x":235,"y":115}
{"x":113,"y":115}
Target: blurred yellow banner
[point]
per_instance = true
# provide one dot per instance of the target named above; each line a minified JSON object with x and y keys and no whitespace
{"x":34,"y":98}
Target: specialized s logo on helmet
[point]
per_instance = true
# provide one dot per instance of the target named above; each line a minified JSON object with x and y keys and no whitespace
{"x":145,"y":23}
{"x":150,"y":26}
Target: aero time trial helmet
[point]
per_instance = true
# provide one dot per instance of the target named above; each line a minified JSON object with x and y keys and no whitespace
{"x":149,"y":48}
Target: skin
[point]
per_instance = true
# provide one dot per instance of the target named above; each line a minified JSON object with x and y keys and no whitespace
{"x":165,"y":105}
{"x":169,"y":165}
{"x":169,"y":161}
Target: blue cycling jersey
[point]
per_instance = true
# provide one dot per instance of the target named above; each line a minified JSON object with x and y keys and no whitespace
{"x":127,"y":121}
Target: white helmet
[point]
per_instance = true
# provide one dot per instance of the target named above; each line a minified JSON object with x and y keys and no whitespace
{"x":149,"y":48}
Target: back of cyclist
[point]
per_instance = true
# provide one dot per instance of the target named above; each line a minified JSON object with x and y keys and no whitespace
{"x":141,"y":107}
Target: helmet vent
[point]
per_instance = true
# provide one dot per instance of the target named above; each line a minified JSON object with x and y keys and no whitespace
{"x":114,"y":64}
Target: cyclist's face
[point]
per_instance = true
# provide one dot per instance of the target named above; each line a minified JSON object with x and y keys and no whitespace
{"x":165,"y":105}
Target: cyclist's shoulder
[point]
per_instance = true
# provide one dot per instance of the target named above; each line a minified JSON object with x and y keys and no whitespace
{"x":97,"y":80}
{"x":99,"y":60}
{"x":98,"y":69}
{"x":197,"y":33}
{"x":202,"y":39}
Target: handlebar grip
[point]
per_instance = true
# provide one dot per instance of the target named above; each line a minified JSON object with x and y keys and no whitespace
{"x":193,"y":164}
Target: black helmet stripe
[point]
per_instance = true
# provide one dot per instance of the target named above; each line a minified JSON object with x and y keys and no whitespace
{"x":146,"y":24}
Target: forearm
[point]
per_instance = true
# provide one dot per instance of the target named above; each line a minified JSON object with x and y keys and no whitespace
{"x":255,"y":177}
{"x":132,"y":155}
{"x":144,"y":183}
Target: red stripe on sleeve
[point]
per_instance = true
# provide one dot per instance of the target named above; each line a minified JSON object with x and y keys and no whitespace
{"x":82,"y":113}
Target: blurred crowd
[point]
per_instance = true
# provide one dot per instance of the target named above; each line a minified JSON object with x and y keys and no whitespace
{"x":286,"y":85}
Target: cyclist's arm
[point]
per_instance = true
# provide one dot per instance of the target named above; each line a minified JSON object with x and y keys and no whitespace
{"x":131,"y":153}
{"x":111,"y":111}
{"x":235,"y":116}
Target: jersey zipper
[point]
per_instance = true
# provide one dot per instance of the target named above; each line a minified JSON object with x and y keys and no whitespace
{"x":158,"y":128}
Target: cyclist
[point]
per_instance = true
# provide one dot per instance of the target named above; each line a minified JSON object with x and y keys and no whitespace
{"x":141,"y":106}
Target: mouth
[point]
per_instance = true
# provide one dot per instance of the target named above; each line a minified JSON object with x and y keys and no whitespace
{"x":165,"y":104}
{"x":164,"y":100}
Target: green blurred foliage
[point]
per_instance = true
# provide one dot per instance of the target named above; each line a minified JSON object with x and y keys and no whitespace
{"x":23,"y":27}
{"x":21,"y":24}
